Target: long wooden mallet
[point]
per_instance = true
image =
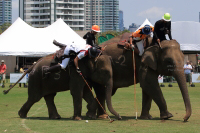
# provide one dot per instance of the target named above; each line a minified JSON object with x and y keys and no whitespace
{"x":96,"y":97}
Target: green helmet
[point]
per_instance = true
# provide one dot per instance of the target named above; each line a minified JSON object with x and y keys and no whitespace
{"x":166,"y":17}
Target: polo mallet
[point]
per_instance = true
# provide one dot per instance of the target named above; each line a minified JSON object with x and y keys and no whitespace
{"x":100,"y":54}
{"x":135,"y":102}
{"x":96,"y":97}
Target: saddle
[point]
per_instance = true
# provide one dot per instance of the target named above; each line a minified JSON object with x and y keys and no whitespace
{"x":124,"y":43}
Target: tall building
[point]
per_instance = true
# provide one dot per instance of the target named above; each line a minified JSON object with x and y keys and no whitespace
{"x":133,"y":27}
{"x":104,"y":13}
{"x":78,"y":14}
{"x":5,"y":11}
{"x":121,"y":20}
{"x":41,"y":13}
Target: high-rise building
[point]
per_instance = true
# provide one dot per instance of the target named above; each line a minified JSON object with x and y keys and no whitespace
{"x":5,"y":11}
{"x":121,"y":20}
{"x":104,"y":13}
{"x":133,"y":27}
{"x":41,"y":13}
{"x":78,"y":14}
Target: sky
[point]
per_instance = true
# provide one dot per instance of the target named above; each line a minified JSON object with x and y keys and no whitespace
{"x":136,"y":11}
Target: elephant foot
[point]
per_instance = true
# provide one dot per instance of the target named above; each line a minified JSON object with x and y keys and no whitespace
{"x":91,"y":115}
{"x":77,"y":118}
{"x":22,"y":115}
{"x":55,"y":117}
{"x":146,"y":117}
{"x":165,"y":115}
{"x":104,"y":116}
{"x":119,"y":117}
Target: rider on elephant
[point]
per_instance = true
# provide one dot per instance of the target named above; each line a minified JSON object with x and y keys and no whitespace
{"x":81,"y":50}
{"x":138,"y":37}
{"x":90,"y":36}
{"x":161,"y":28}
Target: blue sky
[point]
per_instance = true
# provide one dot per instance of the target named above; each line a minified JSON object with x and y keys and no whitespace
{"x":136,"y":11}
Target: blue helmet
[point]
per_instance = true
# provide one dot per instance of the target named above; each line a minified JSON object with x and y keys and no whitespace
{"x":146,"y":30}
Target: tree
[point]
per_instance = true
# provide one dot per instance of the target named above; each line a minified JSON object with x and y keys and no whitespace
{"x":4,"y":27}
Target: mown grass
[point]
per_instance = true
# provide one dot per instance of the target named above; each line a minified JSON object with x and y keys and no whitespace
{"x":123,"y":102}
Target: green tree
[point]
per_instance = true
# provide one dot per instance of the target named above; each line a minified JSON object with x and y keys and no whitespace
{"x":114,"y":33}
{"x":4,"y":27}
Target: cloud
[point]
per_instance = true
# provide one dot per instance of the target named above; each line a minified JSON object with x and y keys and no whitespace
{"x":154,"y":12}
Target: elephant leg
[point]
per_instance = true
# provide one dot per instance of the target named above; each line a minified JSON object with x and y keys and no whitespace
{"x":76,"y":91}
{"x":101,"y":96}
{"x":146,"y":106}
{"x":26,"y":107}
{"x":150,"y":86}
{"x":53,"y":114}
{"x":91,"y":103}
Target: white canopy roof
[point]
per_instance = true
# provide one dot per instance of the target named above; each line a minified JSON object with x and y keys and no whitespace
{"x":20,"y":39}
{"x":145,"y":23}
{"x":187,"y":33}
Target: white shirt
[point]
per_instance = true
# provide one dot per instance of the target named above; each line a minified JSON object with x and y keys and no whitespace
{"x":188,"y":68}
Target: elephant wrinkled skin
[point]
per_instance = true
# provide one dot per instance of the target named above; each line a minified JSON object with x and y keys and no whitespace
{"x":167,"y":61}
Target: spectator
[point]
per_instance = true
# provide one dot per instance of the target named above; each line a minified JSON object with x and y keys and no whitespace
{"x":3,"y":72}
{"x":187,"y":70}
{"x":21,"y":70}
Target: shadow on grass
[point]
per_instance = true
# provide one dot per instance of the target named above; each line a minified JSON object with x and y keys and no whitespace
{"x":127,"y":118}
{"x":124,"y":118}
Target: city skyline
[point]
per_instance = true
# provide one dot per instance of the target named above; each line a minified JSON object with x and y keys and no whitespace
{"x":136,"y":11}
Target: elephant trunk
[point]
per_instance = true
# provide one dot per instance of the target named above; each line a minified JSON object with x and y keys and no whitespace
{"x":180,"y":77}
{"x":109,"y":88}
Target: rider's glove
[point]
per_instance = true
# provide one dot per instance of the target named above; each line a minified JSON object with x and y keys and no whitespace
{"x":78,"y":71}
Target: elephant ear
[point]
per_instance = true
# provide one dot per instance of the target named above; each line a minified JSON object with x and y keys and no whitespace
{"x":150,"y":57}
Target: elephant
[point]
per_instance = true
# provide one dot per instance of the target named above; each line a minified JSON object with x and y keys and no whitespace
{"x":166,"y":60}
{"x":40,"y":86}
{"x":123,"y":73}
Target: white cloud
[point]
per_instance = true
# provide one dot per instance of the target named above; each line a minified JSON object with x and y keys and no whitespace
{"x":154,"y":12}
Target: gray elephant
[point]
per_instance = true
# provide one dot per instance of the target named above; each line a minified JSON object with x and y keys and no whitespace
{"x":167,"y":60}
{"x":40,"y":86}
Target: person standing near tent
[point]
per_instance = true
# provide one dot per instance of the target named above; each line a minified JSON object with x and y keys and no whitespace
{"x":161,"y":28}
{"x":138,"y":37}
{"x":90,"y":36}
{"x":81,"y":50}
{"x":3,"y":72}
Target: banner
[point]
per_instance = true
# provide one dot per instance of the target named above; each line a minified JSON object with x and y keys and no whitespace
{"x":14,"y":77}
{"x":196,"y":77}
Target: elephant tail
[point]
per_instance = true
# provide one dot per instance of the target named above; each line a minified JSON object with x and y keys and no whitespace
{"x":27,"y":71}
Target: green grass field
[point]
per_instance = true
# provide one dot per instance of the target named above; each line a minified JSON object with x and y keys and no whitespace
{"x":123,"y":102}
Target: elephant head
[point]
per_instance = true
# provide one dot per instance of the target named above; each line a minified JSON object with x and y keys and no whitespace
{"x":166,"y":60}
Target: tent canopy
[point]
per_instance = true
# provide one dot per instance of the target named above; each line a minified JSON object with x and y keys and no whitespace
{"x":20,"y":39}
{"x":187,"y":34}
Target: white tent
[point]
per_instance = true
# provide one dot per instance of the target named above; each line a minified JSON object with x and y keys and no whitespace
{"x":20,"y":39}
{"x":146,"y":22}
{"x":187,"y":33}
